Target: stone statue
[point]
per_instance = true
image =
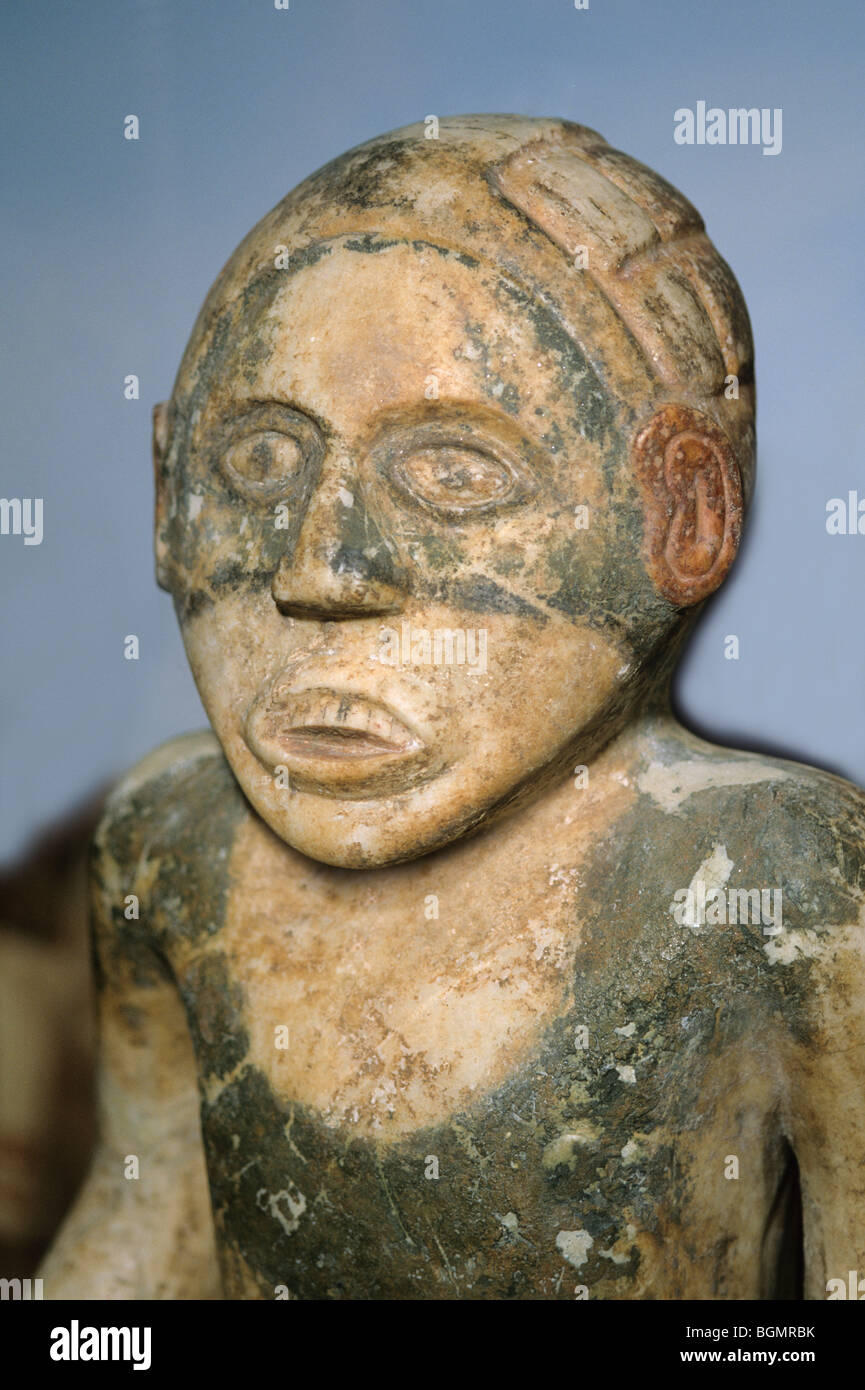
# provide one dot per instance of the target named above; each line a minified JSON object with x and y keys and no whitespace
{"x":450,"y":965}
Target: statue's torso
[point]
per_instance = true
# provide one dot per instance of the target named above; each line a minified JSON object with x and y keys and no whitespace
{"x":550,"y":1086}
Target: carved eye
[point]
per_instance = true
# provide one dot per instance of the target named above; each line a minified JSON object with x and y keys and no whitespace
{"x":456,"y":480}
{"x":264,"y":461}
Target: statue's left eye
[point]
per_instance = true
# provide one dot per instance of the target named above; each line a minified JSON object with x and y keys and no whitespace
{"x":264,"y":461}
{"x":455,"y":480}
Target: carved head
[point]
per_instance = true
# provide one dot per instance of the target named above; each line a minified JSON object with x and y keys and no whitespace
{"x":461,"y":439}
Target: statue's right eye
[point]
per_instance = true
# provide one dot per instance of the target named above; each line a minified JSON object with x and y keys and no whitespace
{"x":264,"y":462}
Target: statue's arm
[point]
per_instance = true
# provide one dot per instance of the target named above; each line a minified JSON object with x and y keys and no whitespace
{"x":148,"y":1236}
{"x":826,"y":1101}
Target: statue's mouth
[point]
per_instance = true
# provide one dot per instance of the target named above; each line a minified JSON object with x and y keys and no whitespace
{"x":330,"y":736}
{"x":331,"y":724}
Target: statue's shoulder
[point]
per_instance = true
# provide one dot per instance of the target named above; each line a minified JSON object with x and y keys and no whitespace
{"x":166,"y":835}
{"x":183,"y":789}
{"x":179,"y":757}
{"x":760,"y":823}
{"x":681,"y":774}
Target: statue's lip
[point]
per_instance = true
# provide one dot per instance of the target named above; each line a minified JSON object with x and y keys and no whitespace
{"x":321,"y":730}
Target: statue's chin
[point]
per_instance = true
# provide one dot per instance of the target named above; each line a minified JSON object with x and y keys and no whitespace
{"x":344,"y":842}
{"x":382,"y":828}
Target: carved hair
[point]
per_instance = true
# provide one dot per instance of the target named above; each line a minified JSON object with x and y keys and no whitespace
{"x":610,"y":247}
{"x":645,"y":246}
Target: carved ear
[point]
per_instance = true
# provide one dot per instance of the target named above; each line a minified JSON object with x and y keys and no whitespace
{"x":692,"y":499}
{"x":160,"y":448}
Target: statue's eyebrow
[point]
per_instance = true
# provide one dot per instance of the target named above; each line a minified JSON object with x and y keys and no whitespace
{"x":237,"y":408}
{"x":448,"y":415}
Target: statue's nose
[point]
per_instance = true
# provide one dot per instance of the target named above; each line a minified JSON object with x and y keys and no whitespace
{"x":341,"y":566}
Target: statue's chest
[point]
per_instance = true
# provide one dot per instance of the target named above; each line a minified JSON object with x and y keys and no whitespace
{"x":389,"y":1003}
{"x":512,"y":1198}
{"x":429,"y":1091}
{"x":569,"y":1180}
{"x":565,"y":1173}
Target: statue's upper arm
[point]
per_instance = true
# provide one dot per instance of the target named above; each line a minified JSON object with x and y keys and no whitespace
{"x":823,"y":964}
{"x":148,"y":1174}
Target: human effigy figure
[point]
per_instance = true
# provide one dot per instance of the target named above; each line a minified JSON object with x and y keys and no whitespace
{"x":449,"y":965}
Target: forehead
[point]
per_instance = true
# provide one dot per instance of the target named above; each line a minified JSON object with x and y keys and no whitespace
{"x":375,"y":326}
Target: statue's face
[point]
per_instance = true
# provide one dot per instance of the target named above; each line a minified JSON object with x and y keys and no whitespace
{"x":405,"y":551}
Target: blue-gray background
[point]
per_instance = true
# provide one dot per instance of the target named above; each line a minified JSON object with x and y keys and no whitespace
{"x":108,"y":247}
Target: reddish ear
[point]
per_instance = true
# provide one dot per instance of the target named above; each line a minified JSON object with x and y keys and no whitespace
{"x":692,"y":500}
